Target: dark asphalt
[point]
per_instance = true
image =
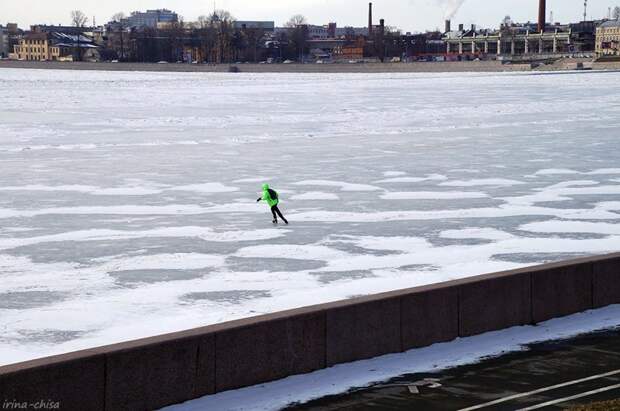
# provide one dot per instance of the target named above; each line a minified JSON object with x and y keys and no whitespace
{"x":544,"y":365}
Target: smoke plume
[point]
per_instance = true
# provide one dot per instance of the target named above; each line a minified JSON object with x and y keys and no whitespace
{"x":450,"y":7}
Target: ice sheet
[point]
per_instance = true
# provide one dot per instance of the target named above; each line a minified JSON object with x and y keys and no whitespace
{"x":121,"y":221}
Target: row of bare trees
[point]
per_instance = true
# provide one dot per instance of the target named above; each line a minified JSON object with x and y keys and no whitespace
{"x":213,"y":38}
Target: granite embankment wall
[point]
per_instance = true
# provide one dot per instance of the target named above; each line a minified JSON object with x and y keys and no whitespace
{"x":437,"y":67}
{"x":154,"y":372}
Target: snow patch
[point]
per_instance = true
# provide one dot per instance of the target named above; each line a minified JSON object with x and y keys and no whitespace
{"x":291,"y":251}
{"x":315,"y":196}
{"x":344,"y":186}
{"x":482,"y":182}
{"x":206,"y":188}
{"x":429,"y":177}
{"x":433,"y":195}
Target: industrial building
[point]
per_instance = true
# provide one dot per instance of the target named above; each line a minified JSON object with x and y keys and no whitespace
{"x":517,"y":39}
{"x":539,"y":39}
{"x":332,"y":31}
{"x":266,"y":26}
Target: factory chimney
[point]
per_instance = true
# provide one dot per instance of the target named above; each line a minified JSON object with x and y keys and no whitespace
{"x":369,"y":19}
{"x":542,"y":14}
{"x":448,"y":26}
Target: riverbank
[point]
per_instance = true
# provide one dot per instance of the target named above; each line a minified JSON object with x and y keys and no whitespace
{"x":419,"y":67}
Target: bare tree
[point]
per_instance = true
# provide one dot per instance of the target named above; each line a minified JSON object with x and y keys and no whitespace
{"x":222,"y":16}
{"x":176,"y":34}
{"x":119,"y":18}
{"x":206,"y":31}
{"x":295,"y":21}
{"x":203,"y":21}
{"x":78,"y":18}
{"x":254,"y":38}
{"x":616,"y":13}
{"x":223,"y":21}
{"x":297,"y":25}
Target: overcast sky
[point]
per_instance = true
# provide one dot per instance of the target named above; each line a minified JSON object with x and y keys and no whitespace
{"x":409,"y":15}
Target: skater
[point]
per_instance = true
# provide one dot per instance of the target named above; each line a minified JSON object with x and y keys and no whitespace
{"x":271,"y":197}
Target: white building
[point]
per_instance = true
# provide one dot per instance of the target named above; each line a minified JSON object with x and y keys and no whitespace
{"x":150,"y":18}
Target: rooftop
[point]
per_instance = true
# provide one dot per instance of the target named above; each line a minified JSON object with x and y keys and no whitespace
{"x":36,"y":36}
{"x":610,"y":23}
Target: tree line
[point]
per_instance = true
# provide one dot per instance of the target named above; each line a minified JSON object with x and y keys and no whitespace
{"x":213,"y":38}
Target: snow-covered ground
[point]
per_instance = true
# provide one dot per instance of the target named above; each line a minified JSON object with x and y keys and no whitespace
{"x":127,"y":200}
{"x":341,"y":378}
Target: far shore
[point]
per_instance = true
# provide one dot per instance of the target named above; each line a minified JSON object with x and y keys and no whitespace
{"x":417,"y":67}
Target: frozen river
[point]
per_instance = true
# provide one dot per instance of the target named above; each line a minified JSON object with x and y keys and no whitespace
{"x":127,"y":200}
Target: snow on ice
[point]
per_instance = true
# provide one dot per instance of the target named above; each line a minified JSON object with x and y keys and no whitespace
{"x":127,"y":200}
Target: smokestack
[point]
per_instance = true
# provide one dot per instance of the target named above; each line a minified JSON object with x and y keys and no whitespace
{"x":448,"y":26}
{"x":542,"y":14}
{"x":369,"y":19}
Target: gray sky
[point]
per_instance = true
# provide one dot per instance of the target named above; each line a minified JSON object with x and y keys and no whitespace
{"x":409,"y":15}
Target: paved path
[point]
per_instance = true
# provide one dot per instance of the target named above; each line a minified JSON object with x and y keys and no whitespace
{"x":551,"y":376}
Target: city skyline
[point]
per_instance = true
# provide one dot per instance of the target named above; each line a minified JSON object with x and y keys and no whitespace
{"x":408,"y":15}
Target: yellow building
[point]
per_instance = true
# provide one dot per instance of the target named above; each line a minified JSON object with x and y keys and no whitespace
{"x":36,"y":47}
{"x":608,"y":39}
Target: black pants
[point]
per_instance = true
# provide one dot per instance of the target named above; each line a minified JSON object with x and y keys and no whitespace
{"x":275,"y":210}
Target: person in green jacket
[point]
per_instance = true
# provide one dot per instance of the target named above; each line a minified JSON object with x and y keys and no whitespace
{"x":271,"y":197}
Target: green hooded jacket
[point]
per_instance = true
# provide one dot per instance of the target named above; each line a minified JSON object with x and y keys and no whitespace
{"x":271,"y":201}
